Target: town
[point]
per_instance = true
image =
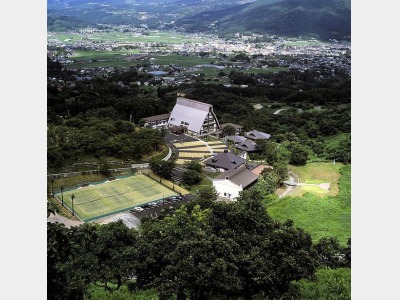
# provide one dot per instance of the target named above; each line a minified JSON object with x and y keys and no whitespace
{"x":259,"y":55}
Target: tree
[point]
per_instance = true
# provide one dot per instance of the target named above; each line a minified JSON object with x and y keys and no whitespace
{"x":298,"y":154}
{"x":228,"y":250}
{"x":329,"y":252}
{"x":194,"y":165}
{"x":191,"y":177}
{"x":328,"y":284}
{"x":207,"y":193}
{"x":63,"y":282}
{"x":105,"y":169}
{"x":162,"y":168}
{"x":115,"y":253}
{"x":228,"y":130}
{"x":346,"y":254}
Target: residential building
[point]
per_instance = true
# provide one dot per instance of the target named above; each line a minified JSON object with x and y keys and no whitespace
{"x":196,"y":117}
{"x":247,"y":145}
{"x":230,"y":183}
{"x":242,"y":143}
{"x":225,"y":161}
{"x":157,"y":122}
{"x":257,"y":135}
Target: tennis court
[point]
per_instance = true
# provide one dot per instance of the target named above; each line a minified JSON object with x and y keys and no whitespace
{"x":96,"y":201}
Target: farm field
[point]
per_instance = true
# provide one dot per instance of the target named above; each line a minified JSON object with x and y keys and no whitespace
{"x":95,"y":201}
{"x":127,"y":37}
{"x":320,"y":216}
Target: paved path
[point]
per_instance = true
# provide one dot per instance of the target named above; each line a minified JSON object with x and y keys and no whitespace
{"x":61,"y":219}
{"x":279,"y":110}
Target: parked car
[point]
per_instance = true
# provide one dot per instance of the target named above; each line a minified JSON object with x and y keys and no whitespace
{"x":137,"y":209}
{"x":153,"y":204}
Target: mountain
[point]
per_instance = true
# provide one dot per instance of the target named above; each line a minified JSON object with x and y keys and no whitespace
{"x":324,"y":19}
{"x":156,"y":14}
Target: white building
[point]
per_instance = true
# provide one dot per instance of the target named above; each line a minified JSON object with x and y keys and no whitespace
{"x":230,"y":183}
{"x":157,"y":122}
{"x":194,"y":117}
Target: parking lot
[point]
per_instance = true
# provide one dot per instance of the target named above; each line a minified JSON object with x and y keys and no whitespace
{"x":153,"y":211}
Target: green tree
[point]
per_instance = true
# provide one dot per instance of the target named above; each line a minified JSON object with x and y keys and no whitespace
{"x":162,"y":168}
{"x":194,"y":165}
{"x":207,"y":193}
{"x":329,"y":252}
{"x":228,"y":250}
{"x":298,"y":154}
{"x":191,"y":177}
{"x":63,"y":282}
{"x":115,"y":253}
{"x":328,"y":284}
{"x":105,"y":168}
{"x":228,"y":130}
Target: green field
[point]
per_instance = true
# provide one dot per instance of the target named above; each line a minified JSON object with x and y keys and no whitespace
{"x":127,"y":37}
{"x":320,"y":216}
{"x":95,"y":201}
{"x":316,"y":173}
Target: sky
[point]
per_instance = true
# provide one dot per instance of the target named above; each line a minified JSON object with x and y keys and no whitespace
{"x":374,"y":150}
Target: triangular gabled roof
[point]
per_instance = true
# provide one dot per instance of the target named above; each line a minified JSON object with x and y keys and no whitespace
{"x":190,"y":111}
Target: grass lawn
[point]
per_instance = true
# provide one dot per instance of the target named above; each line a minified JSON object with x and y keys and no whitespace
{"x":96,"y":292}
{"x":201,"y":185}
{"x":320,"y":216}
{"x":316,"y":173}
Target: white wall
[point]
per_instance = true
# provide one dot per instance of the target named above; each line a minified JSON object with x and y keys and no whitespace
{"x":226,"y":188}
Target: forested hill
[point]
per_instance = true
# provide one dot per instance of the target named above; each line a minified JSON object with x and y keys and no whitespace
{"x":319,"y":18}
{"x":154,"y":14}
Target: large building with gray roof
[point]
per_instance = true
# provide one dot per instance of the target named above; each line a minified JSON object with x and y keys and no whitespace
{"x":230,"y":183}
{"x":197,"y":118}
{"x":225,"y":161}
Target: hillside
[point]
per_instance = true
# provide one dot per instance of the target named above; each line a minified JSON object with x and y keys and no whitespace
{"x":319,"y":18}
{"x":153,"y":14}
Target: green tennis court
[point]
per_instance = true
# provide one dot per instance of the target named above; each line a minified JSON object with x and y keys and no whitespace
{"x":96,"y":201}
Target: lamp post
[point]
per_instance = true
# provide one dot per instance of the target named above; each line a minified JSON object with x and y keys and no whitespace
{"x":62,"y":196}
{"x":72,"y":198}
{"x":52,"y":186}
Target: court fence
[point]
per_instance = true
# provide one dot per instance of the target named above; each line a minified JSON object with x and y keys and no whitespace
{"x":171,"y":185}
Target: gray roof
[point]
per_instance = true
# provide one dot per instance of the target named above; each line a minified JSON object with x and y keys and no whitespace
{"x":190,"y":111}
{"x":157,"y":118}
{"x":225,"y":160}
{"x":231,"y":124}
{"x":247,"y":145}
{"x":236,"y":138}
{"x":240,"y":176}
{"x":257,"y":135}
